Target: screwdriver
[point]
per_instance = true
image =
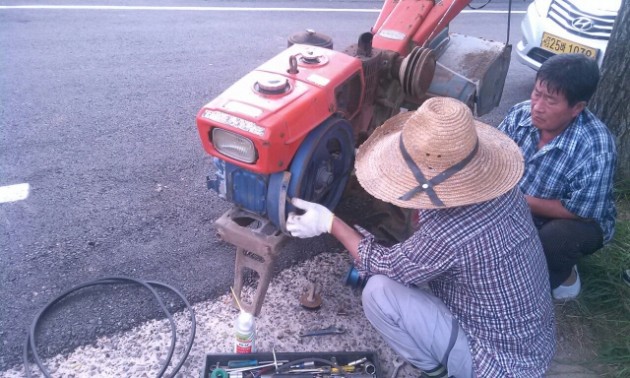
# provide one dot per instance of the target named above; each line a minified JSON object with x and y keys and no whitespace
{"x":242,"y":363}
{"x":235,"y":364}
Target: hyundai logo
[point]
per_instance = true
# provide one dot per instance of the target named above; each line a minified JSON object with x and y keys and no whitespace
{"x":582,"y":24}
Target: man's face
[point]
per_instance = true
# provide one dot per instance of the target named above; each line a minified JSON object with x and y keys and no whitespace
{"x":551,"y":111}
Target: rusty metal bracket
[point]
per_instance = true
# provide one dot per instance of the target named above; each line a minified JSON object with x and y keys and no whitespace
{"x":258,"y":242}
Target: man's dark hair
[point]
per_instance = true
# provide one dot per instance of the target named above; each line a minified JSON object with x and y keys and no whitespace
{"x":574,"y":75}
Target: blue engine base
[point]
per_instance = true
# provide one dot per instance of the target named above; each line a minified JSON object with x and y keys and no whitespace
{"x":318,"y":173}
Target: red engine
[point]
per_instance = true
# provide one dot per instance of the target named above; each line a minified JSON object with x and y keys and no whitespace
{"x":260,"y":122}
{"x":290,"y":127}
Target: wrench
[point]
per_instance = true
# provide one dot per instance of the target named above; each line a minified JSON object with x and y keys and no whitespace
{"x":398,"y":363}
{"x":332,"y":330}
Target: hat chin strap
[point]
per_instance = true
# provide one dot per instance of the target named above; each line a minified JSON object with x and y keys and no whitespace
{"x":428,"y":185}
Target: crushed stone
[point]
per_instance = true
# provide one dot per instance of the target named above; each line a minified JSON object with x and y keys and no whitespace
{"x":142,"y":351}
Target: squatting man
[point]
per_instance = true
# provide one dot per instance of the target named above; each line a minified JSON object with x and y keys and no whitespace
{"x":570,"y":160}
{"x":468,"y":293}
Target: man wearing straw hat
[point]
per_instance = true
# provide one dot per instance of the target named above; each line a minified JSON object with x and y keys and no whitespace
{"x":487,"y":309}
{"x":570,"y":159}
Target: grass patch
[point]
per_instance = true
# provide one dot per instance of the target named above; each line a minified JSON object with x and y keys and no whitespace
{"x":604,"y":304}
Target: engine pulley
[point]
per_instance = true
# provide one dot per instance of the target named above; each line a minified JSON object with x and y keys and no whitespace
{"x":416,"y":71}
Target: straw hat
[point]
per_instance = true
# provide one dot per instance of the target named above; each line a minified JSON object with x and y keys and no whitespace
{"x":458,"y":160}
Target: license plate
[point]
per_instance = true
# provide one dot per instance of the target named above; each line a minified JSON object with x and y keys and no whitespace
{"x":559,"y":45}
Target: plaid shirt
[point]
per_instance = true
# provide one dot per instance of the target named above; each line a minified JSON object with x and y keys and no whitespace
{"x":576,"y":167}
{"x":486,"y":263}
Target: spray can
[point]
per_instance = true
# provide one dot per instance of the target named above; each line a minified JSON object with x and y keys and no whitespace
{"x":245,"y":332}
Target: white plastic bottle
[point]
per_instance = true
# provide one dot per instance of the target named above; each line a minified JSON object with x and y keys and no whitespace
{"x":245,"y":331}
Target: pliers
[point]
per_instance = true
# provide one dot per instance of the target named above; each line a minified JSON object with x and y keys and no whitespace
{"x":332,"y":330}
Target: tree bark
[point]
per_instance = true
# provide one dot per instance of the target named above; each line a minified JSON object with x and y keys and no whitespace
{"x":611,"y":102}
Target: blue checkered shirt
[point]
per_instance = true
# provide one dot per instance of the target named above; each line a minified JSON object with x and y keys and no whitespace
{"x":576,"y":167}
{"x":486,"y":263}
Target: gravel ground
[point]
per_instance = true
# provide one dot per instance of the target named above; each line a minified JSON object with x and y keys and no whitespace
{"x":141,"y":352}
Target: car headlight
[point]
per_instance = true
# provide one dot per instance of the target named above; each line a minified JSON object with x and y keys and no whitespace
{"x":234,"y":145}
{"x":542,"y":7}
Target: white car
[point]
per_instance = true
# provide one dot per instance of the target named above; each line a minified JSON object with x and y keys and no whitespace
{"x":566,"y":26}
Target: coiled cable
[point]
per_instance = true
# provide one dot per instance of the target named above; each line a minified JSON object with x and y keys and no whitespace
{"x":30,"y":345}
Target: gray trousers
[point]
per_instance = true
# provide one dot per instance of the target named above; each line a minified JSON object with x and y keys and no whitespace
{"x":416,"y":325}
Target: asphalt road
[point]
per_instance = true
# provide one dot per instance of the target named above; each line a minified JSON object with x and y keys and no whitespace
{"x":97,"y":115}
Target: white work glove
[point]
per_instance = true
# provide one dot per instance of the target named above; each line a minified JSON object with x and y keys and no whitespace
{"x":316,"y":219}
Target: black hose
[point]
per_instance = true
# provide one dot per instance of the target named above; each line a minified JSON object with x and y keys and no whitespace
{"x":479,"y":7}
{"x":509,"y":21}
{"x":30,"y":344}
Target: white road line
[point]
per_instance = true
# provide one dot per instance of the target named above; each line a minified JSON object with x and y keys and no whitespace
{"x":13,"y":193}
{"x":215,"y":9}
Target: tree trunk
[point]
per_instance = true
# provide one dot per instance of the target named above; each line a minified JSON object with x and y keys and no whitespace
{"x":611,"y":102}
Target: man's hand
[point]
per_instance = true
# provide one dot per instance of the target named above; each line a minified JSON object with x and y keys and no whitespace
{"x":316,"y":219}
{"x":549,"y":208}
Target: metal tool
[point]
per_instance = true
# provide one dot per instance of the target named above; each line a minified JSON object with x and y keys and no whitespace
{"x":332,"y":330}
{"x":398,"y":363}
{"x":235,"y":364}
{"x":248,"y":368}
{"x":357,"y":362}
{"x":369,"y":368}
{"x":275,"y":360}
{"x":325,"y":370}
{"x":241,"y":363}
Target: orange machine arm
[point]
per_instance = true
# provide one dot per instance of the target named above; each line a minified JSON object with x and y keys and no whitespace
{"x":405,"y":23}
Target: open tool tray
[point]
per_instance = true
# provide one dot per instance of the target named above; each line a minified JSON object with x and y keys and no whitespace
{"x":343,"y":358}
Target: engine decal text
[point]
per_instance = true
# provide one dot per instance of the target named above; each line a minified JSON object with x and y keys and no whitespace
{"x":392,"y":34}
{"x":239,"y":123}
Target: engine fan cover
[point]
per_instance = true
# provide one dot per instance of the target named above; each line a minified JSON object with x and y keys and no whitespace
{"x":319,"y":171}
